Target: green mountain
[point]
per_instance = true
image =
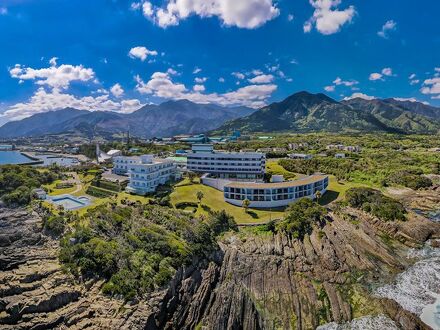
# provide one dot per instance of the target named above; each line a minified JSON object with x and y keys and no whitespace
{"x":306,"y":112}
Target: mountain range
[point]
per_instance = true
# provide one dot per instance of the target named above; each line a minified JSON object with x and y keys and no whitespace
{"x":167,"y":119}
{"x":306,"y":112}
{"x":301,"y":112}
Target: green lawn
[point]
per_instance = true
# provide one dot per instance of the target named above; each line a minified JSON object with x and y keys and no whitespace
{"x":213,"y":199}
{"x":273,"y":168}
{"x":336,"y":190}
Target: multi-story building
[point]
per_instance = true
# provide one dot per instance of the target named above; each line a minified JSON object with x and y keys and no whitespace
{"x":274,"y":194}
{"x":227,"y":165}
{"x":145,"y":172}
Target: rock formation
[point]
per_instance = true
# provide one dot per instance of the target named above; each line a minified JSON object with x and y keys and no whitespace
{"x":254,"y":281}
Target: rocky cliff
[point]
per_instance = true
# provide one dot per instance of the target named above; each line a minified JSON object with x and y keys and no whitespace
{"x":254,"y":281}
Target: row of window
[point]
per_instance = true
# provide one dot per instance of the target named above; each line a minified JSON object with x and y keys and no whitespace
{"x":227,"y":164}
{"x":274,"y":191}
{"x":268,"y":198}
{"x":191,"y":158}
{"x":212,"y":169}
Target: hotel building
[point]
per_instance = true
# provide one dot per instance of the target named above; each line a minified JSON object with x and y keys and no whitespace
{"x":226,"y":165}
{"x":275,"y":194}
{"x":145,"y":172}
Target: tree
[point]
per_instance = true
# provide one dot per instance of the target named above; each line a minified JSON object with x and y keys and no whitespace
{"x":199,"y":196}
{"x":246,"y":203}
{"x":191,"y":176}
{"x":318,"y":195}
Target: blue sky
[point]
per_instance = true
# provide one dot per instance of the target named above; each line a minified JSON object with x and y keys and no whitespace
{"x":119,"y":55}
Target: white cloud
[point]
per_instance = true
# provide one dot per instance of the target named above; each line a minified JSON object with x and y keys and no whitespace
{"x":172,"y":71}
{"x":387,"y":27}
{"x":221,"y":79}
{"x":3,"y":11}
{"x":359,"y":95}
{"x":197,"y":70}
{"x":53,"y":61}
{"x":326,"y":18}
{"x":387,"y":72}
{"x":409,"y":99}
{"x":117,"y":90}
{"x":437,"y":69}
{"x":238,"y":75}
{"x":54,"y":76}
{"x":412,"y":76}
{"x":290,"y":17}
{"x":375,"y":76}
{"x":247,"y":14}
{"x":431,"y":86}
{"x":135,"y":5}
{"x":330,"y":88}
{"x":199,"y":88}
{"x":161,"y":85}
{"x":141,"y":53}
{"x":200,"y":80}
{"x":262,"y":79}
{"x":338,"y":81}
{"x":43,"y":101}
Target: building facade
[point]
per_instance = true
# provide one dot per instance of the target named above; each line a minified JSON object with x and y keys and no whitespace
{"x":228,"y":165}
{"x":145,"y":172}
{"x":274,"y":194}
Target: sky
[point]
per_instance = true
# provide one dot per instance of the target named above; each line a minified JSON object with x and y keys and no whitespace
{"x":120,"y":55}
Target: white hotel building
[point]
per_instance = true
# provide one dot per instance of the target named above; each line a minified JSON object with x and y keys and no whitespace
{"x":274,"y":194}
{"x":226,"y":165}
{"x":145,"y":172}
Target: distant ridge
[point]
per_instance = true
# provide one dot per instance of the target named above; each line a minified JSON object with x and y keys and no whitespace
{"x":306,"y":112}
{"x":167,"y":119}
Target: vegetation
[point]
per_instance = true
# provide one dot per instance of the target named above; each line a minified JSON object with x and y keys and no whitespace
{"x":138,"y":249}
{"x":409,"y":178}
{"x":99,"y":192}
{"x":374,"y":202}
{"x":300,"y":218}
{"x":17,"y":183}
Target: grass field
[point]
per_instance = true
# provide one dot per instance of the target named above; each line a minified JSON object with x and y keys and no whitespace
{"x":213,"y":199}
{"x":272,"y":167}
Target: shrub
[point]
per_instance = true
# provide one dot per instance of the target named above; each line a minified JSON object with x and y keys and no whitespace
{"x":98,"y":192}
{"x":183,"y":205}
{"x":375,"y":203}
{"x":55,"y":224}
{"x":301,"y":216}
{"x":409,"y":179}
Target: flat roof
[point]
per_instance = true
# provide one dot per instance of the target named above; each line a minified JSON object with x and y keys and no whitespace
{"x":284,"y":184}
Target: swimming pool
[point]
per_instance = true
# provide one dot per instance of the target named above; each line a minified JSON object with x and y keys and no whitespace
{"x":70,"y":202}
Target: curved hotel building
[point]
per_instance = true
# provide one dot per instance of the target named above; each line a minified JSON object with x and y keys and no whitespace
{"x":274,"y":194}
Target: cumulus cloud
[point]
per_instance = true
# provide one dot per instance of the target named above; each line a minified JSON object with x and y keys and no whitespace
{"x":141,"y":53}
{"x":262,"y":79}
{"x":199,"y":88}
{"x":327,"y":18}
{"x":200,"y":80}
{"x":360,"y":95}
{"x":431,"y":86}
{"x":117,"y":90}
{"x":290,"y":17}
{"x":54,"y":76}
{"x":238,"y":75}
{"x":330,"y":88}
{"x":197,"y":70}
{"x":380,"y":76}
{"x":386,"y":28}
{"x":247,"y":14}
{"x":161,"y":85}
{"x":338,"y":82}
{"x":43,"y":101}
{"x":409,"y":99}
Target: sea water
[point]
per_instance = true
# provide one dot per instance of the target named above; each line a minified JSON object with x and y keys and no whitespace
{"x":418,"y":288}
{"x":13,"y":157}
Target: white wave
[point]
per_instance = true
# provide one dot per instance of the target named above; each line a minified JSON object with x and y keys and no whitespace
{"x":363,"y":323}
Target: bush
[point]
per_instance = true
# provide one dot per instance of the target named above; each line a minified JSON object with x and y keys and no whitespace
{"x":55,"y":224}
{"x":112,"y":186}
{"x":375,"y":203}
{"x":184,"y":205}
{"x":301,"y":216}
{"x":98,"y":192}
{"x":409,"y":179}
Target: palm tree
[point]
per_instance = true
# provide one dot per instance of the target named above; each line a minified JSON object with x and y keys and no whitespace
{"x":246,"y":203}
{"x":318,"y":195}
{"x":199,"y":196}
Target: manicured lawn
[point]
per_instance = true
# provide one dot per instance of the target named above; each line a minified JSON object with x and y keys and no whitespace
{"x":213,"y":199}
{"x":336,"y":190}
{"x":54,"y":191}
{"x":272,"y":167}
